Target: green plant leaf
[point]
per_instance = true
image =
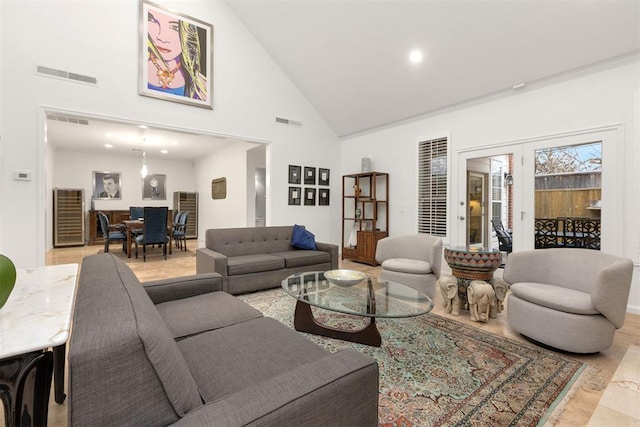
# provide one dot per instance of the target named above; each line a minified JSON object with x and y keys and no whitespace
{"x":7,"y":278}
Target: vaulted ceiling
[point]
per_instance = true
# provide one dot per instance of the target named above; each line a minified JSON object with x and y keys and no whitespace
{"x":350,"y":57}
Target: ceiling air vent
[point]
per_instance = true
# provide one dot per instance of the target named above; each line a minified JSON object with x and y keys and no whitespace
{"x":52,"y":72}
{"x":288,"y":122}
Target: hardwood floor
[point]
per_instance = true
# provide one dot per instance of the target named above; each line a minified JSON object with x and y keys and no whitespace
{"x":577,"y":412}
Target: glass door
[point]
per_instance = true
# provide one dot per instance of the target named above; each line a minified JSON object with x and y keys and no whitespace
{"x":476,"y":214}
{"x":574,"y":185}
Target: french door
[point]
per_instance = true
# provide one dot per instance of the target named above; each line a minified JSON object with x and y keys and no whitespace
{"x":522,"y":179}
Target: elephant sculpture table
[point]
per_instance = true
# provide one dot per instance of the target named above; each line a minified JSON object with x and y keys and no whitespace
{"x":468,"y":265}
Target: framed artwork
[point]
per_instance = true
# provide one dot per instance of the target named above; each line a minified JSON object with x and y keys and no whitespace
{"x":310,"y":196}
{"x":176,"y":59}
{"x":294,"y":195}
{"x":309,"y":175}
{"x":219,"y":188}
{"x":295,"y":174}
{"x":107,"y":185}
{"x":323,"y":176}
{"x":154,"y":187}
{"x":323,"y":197}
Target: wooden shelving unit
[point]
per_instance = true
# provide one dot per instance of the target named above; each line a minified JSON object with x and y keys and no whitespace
{"x":365,"y":215}
{"x":68,"y":217}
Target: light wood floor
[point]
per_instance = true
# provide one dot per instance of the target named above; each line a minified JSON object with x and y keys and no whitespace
{"x":578,"y":411}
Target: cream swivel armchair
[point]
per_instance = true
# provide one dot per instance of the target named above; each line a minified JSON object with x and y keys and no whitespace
{"x":569,"y":299}
{"x":414,"y":260}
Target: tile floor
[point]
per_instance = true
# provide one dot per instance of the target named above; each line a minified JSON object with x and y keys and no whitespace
{"x":611,"y":397}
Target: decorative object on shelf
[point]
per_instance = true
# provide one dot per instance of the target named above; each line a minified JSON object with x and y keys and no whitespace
{"x":180,"y":69}
{"x":344,"y":277}
{"x":365,"y":165}
{"x":7,"y":278}
{"x":323,"y":176}
{"x":358,"y":213}
{"x":310,"y":196}
{"x":154,"y":187}
{"x":107,"y":185}
{"x":309,"y":175}
{"x":294,"y":195}
{"x":357,"y":191}
{"x":219,"y":188}
{"x":294,"y":174}
{"x":323,"y":197}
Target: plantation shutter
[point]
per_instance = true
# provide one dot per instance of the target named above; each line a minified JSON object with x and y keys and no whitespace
{"x":432,"y":187}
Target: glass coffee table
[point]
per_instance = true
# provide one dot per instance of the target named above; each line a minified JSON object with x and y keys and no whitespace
{"x":351,"y":292}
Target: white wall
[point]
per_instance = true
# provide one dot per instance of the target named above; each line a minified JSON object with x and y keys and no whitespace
{"x":603,"y":98}
{"x":100,"y":39}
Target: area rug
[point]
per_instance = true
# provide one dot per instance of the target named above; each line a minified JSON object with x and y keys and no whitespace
{"x":436,"y":371}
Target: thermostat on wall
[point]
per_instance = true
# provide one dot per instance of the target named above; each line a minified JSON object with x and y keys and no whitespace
{"x":22,"y":175}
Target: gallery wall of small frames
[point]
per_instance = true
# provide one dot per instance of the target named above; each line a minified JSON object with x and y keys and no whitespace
{"x":314,"y":180}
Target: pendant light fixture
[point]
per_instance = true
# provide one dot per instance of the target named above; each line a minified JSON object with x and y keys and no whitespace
{"x":143,"y":171}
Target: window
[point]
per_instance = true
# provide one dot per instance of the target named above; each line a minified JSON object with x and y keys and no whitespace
{"x":432,"y":187}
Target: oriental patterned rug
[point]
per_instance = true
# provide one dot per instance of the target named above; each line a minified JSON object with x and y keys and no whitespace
{"x":436,"y":371}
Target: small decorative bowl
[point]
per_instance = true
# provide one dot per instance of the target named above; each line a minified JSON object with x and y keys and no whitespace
{"x":345,"y":277}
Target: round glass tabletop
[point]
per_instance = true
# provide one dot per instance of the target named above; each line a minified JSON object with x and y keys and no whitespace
{"x":367,"y":297}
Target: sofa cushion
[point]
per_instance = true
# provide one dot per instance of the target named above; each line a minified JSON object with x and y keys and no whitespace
{"x":225,"y":360}
{"x":244,"y":264}
{"x":159,"y":345}
{"x":189,"y":316}
{"x":302,"y":258}
{"x":301,"y":238}
{"x":404,"y":265}
{"x":554,"y":297}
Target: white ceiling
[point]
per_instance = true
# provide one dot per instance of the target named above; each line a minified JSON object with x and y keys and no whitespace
{"x":90,"y":135}
{"x":350,"y":57}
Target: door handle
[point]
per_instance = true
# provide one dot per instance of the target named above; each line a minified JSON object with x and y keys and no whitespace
{"x":461,"y":218}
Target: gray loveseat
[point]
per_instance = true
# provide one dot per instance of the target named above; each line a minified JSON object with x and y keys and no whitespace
{"x":180,"y":352}
{"x":255,"y":258}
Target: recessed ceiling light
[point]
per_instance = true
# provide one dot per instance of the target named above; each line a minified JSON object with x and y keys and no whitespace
{"x":164,"y":151}
{"x":415,"y":57}
{"x":108,"y":145}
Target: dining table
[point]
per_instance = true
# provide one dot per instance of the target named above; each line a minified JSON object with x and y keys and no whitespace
{"x":134,"y":224}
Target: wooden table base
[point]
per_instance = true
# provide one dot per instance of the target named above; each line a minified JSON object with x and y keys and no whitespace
{"x":304,"y":321}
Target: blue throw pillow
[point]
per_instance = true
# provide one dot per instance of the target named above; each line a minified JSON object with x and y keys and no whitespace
{"x":303,"y":239}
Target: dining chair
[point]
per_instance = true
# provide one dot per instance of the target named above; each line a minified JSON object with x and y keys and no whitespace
{"x":154,"y":230}
{"x":111,"y":232}
{"x":180,"y":230}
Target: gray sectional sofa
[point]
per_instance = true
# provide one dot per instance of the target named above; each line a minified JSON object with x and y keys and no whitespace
{"x":181,"y":352}
{"x":256,"y":258}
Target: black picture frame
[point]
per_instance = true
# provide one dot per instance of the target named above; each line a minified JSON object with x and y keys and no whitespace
{"x":294,"y":195}
{"x":323,"y":176}
{"x":323,"y":197}
{"x":295,"y":174}
{"x":309,"y":196}
{"x":309,"y":175}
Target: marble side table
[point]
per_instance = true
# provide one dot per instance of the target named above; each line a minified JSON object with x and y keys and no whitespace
{"x":34,"y":329}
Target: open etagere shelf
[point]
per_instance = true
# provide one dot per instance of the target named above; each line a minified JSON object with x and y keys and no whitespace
{"x":365,"y":215}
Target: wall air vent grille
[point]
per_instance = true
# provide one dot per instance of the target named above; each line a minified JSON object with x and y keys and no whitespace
{"x":288,"y":122}
{"x":52,"y":72}
{"x":67,"y":119}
